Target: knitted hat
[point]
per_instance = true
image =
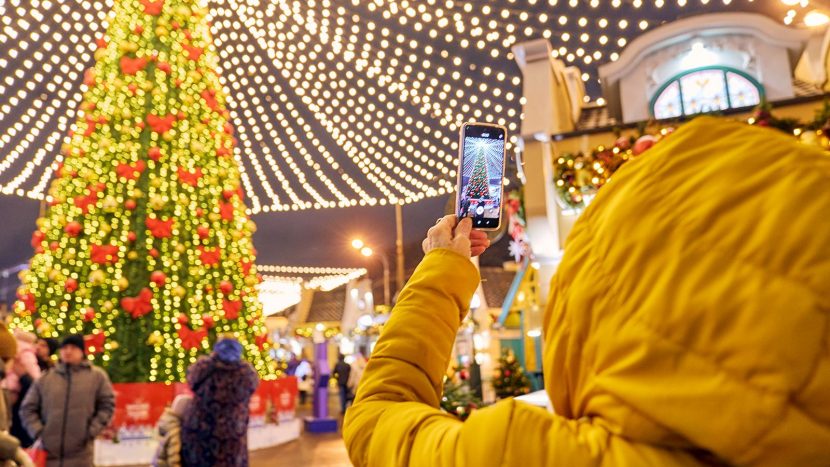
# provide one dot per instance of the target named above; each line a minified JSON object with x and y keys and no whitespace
{"x":74,"y":339}
{"x":8,"y":344}
{"x":228,"y":350}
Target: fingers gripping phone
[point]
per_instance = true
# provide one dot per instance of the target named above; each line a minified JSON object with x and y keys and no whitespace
{"x":481,"y":163}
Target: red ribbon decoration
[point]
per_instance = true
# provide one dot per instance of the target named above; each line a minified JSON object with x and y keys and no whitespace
{"x":232,"y":309}
{"x":139,"y":305}
{"x":131,"y":66}
{"x":95,"y":341}
{"x":192,"y":339}
{"x":130,"y":171}
{"x":104,"y":254}
{"x":159,"y":228}
{"x":191,"y":178}
{"x":152,"y":7}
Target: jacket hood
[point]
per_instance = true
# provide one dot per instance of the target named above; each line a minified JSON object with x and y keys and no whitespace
{"x":691,"y":306}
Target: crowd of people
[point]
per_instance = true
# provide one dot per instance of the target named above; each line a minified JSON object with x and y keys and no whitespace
{"x":53,"y":409}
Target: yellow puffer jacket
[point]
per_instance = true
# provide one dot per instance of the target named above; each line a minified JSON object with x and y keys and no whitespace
{"x":687,"y":324}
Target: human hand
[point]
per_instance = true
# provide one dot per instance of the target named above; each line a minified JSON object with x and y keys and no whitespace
{"x":456,"y":236}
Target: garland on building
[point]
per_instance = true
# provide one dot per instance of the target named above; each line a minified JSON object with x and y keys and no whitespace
{"x":578,"y":176}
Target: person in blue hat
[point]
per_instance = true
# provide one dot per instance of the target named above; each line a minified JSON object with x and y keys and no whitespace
{"x":215,"y":425}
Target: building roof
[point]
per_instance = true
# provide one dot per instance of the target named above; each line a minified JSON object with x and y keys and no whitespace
{"x":496,"y":282}
{"x":327,"y":306}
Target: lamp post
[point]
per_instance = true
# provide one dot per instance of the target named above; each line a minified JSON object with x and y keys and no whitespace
{"x":367,"y":251}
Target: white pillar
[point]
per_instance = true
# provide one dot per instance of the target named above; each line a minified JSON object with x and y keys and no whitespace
{"x":548,"y":109}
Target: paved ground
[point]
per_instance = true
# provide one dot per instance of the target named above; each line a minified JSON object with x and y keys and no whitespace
{"x":310,"y":450}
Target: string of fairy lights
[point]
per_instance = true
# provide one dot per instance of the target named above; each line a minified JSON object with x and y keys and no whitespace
{"x":282,"y":286}
{"x":335,"y":103}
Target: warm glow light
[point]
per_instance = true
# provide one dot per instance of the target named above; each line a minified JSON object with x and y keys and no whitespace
{"x":357,"y":244}
{"x":366,"y":251}
{"x":816,"y":18}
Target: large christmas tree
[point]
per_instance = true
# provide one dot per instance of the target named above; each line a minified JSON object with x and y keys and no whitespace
{"x":146,"y":248}
{"x":479,"y":187}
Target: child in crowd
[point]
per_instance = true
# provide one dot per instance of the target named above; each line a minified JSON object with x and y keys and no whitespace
{"x":170,"y":431}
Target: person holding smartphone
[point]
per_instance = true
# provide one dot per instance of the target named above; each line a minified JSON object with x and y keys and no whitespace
{"x":688,"y":323}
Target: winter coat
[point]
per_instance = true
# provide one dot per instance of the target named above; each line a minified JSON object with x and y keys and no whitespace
{"x":215,"y":425}
{"x":11,"y":453}
{"x":170,"y":446}
{"x":67,"y":408}
{"x":688,"y":323}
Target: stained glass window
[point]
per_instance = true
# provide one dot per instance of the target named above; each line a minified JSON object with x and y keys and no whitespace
{"x":706,"y":90}
{"x":667,"y":105}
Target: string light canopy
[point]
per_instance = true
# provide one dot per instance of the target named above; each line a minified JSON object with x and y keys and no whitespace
{"x":284,"y":289}
{"x":336,"y":102}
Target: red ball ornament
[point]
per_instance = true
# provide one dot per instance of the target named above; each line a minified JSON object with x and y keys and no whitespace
{"x":226,"y":287}
{"x":154,"y":154}
{"x":208,"y":320}
{"x":200,"y":212}
{"x":130,"y":204}
{"x":71,"y":285}
{"x":73,"y":229}
{"x":54,"y":246}
{"x":182,"y":319}
{"x":138,"y":29}
{"x":507,"y":373}
{"x":89,"y":314}
{"x":158,"y":278}
{"x":175,"y":25}
{"x":154,"y":253}
{"x":228,"y":194}
{"x":181,"y":116}
{"x":643,"y":144}
{"x":203,"y":231}
{"x":131,"y":236}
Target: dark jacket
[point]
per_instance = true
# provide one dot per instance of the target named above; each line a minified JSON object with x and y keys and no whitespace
{"x":215,"y":426}
{"x":67,"y":408}
{"x":341,"y":372}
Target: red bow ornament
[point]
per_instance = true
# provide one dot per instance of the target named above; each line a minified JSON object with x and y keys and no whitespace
{"x":193,"y":52}
{"x":95,"y":342}
{"x":152,"y":7}
{"x":192,"y":339}
{"x":209,"y":95}
{"x":104,"y":254}
{"x":130,"y":171}
{"x":261,"y":340}
{"x":232,"y":308}
{"x":226,"y":211}
{"x":209,"y":256}
{"x":28,"y":301}
{"x":161,"y":124}
{"x":139,"y":305}
{"x":131,"y":66}
{"x":190,"y":178}
{"x":159,"y":228}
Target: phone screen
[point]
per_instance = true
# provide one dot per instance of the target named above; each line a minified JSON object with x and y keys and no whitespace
{"x":481,"y":173}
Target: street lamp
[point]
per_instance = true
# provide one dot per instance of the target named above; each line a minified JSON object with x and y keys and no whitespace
{"x":367,"y":251}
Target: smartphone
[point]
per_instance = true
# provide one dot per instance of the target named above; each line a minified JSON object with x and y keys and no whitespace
{"x":481,"y":163}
